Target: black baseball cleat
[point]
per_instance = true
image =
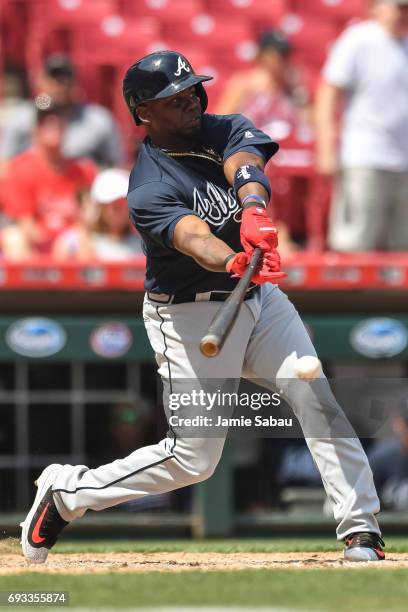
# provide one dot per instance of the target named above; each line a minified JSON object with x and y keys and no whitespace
{"x":363,"y":546}
{"x":43,"y":523}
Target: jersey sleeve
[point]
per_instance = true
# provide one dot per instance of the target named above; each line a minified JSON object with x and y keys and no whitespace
{"x":340,"y":67}
{"x":256,"y":151}
{"x":242,"y":134}
{"x":154,"y":209}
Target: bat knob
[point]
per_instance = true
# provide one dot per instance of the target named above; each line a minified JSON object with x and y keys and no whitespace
{"x":210,"y":345}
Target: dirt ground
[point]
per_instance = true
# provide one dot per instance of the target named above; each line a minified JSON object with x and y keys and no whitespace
{"x":12,"y":562}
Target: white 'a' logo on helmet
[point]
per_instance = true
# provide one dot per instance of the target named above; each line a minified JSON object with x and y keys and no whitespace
{"x":181,"y":65}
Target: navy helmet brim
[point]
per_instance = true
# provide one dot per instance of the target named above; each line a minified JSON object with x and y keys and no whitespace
{"x":174,"y":88}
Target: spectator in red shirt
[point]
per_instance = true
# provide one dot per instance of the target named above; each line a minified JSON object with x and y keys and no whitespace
{"x":266,"y":94}
{"x":41,"y":186}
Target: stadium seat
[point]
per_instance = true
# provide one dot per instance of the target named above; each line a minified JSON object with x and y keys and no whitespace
{"x":13,"y":23}
{"x":115,"y":38}
{"x":102,"y":52}
{"x":215,"y":87}
{"x":52,"y":25}
{"x":311,"y":38}
{"x":215,"y":32}
{"x":257,"y":11}
{"x":51,"y":14}
{"x":177,"y":10}
{"x":228,"y":41}
{"x":342,"y":10}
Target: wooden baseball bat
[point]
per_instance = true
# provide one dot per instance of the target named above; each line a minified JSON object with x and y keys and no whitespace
{"x":221,"y":325}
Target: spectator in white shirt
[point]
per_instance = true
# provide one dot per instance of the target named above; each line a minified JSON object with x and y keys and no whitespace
{"x":366,"y":78}
{"x":91,"y":131}
{"x":103,"y":231}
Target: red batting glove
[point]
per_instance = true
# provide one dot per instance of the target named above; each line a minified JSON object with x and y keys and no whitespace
{"x":267,"y":271}
{"x":257,"y":230}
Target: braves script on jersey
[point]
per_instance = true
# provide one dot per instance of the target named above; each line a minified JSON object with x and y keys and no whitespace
{"x":165,"y":186}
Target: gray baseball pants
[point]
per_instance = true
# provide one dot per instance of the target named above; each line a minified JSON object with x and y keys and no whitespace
{"x":265,"y":342}
{"x":369,"y":211}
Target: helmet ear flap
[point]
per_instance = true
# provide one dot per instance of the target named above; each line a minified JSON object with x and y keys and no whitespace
{"x":202,"y":94}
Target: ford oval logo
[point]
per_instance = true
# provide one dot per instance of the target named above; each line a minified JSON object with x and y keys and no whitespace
{"x":382,"y":337}
{"x":35,"y":337}
{"x":111,"y":339}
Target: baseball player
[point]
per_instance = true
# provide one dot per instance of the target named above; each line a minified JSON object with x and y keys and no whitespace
{"x":197,"y":196}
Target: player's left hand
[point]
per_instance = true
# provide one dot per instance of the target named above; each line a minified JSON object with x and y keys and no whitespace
{"x":257,"y":230}
{"x":267,"y":271}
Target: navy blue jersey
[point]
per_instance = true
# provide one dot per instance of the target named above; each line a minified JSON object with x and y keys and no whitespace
{"x":166,"y":186}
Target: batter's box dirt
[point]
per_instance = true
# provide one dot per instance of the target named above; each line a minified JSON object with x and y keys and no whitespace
{"x":96,"y":563}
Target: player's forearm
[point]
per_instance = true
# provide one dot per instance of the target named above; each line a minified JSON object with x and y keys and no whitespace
{"x":207,"y":250}
{"x":239,"y":159}
{"x":252,"y":189}
{"x":193,"y":237}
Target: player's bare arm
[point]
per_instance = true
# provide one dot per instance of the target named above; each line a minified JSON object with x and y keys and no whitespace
{"x":193,"y":237}
{"x":244,"y":170}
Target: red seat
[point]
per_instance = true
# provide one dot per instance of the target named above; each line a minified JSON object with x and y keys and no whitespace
{"x":254,"y":10}
{"x":13,"y":31}
{"x":342,"y":10}
{"x":215,"y":87}
{"x":310,"y":38}
{"x":226,"y":41}
{"x":180,"y":10}
{"x":52,"y":25}
{"x":295,"y":201}
{"x":51,"y":14}
{"x":115,"y":39}
{"x":104,"y":51}
{"x":216,"y":32}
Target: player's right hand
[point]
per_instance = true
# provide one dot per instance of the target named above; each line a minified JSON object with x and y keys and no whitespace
{"x":267,"y":271}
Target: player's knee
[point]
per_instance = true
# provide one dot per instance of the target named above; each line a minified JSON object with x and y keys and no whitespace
{"x":205,"y":471}
{"x":199,"y":469}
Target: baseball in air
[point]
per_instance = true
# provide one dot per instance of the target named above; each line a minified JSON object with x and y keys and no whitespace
{"x":308,"y":367}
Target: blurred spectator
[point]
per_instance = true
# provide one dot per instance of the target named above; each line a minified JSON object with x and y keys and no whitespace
{"x":367,"y":70}
{"x":103,"y":230}
{"x":389,"y":461}
{"x":132,"y":426}
{"x":91,"y":131}
{"x":266,"y":95}
{"x":40,"y":186}
{"x":113,"y":237}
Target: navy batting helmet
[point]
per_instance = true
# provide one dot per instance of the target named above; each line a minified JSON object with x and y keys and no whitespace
{"x":160,"y":75}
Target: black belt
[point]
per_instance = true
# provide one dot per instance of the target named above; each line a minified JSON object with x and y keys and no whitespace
{"x":207,"y":296}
